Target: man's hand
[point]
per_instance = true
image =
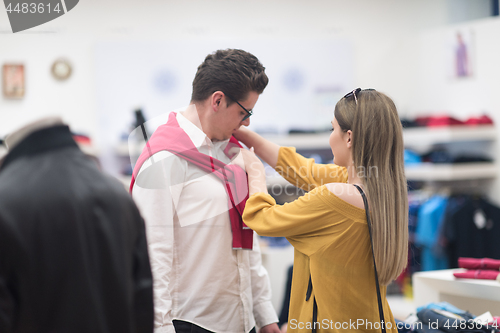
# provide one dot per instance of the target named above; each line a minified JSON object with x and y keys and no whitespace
{"x":271,"y":328}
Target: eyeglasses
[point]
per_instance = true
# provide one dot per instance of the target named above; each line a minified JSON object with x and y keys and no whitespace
{"x":354,"y":92}
{"x":249,"y":112}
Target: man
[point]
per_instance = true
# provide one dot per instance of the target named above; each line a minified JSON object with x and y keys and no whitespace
{"x":73,"y":250}
{"x":206,"y":264}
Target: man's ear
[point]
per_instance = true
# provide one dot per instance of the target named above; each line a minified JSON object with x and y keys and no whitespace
{"x":349,"y":138}
{"x":216,"y":100}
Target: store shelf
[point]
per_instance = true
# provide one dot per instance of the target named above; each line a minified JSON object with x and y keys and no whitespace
{"x":412,"y":137}
{"x":123,"y":149}
{"x":276,"y":180}
{"x":418,"y":136}
{"x":476,"y":296}
{"x":423,"y":136}
{"x":447,"y":172}
{"x":302,"y":141}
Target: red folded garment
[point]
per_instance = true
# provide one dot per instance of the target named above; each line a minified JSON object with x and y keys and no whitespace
{"x":477,"y":274}
{"x":422,"y":121}
{"x":483,"y":120}
{"x":495,"y":323}
{"x":476,"y":263}
{"x":437,"y":121}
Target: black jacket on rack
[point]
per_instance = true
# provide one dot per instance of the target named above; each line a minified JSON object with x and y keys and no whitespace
{"x":73,"y":250}
{"x":473,"y":230}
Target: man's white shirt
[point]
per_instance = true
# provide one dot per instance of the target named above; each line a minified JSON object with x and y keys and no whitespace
{"x":198,"y":277}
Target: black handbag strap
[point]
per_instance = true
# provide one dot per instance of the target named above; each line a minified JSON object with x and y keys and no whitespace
{"x":315,"y":305}
{"x":368,"y":221}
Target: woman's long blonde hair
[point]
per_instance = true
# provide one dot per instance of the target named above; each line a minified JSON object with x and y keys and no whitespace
{"x":377,"y":151}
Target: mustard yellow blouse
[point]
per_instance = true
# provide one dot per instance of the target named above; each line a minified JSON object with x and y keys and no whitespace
{"x":332,"y":245}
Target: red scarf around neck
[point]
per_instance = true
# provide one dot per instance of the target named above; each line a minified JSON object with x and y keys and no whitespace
{"x":171,"y":137}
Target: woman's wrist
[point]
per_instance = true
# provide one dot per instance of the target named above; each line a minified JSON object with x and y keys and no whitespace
{"x":244,"y":135}
{"x":257,"y":180}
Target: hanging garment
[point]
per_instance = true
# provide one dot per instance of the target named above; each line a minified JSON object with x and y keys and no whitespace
{"x":473,"y":231}
{"x":430,"y":218}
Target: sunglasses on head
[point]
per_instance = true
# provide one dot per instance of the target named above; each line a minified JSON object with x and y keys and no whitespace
{"x":354,"y":92}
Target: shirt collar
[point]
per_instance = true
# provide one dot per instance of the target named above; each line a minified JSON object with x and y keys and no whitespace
{"x":17,"y":136}
{"x":197,"y":136}
{"x":41,"y":141}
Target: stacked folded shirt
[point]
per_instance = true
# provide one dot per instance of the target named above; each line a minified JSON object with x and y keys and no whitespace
{"x":483,"y":269}
{"x":445,"y":318}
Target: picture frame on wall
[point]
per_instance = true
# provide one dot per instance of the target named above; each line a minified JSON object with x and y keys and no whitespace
{"x":13,"y":81}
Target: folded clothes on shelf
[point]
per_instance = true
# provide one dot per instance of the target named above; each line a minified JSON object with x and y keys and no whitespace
{"x":478,"y":274}
{"x":479,"y":263}
{"x":483,"y":120}
{"x":436,"y":320}
{"x":445,"y":317}
{"x":411,"y":157}
{"x":446,"y":307}
{"x":444,"y":120}
{"x":438,"y":121}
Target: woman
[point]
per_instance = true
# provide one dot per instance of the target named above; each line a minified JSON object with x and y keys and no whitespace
{"x":334,"y":264}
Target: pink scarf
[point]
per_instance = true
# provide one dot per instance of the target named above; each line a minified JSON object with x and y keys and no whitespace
{"x":172,"y":138}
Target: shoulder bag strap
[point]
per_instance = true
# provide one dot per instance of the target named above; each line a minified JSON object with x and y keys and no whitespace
{"x":315,"y":305}
{"x":380,"y":308}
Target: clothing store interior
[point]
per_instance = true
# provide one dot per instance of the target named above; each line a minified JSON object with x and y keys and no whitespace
{"x":113,"y":71}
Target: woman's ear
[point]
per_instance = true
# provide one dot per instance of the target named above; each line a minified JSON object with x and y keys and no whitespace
{"x":348,"y":138}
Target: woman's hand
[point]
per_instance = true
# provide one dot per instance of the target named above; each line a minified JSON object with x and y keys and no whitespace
{"x":255,"y":170}
{"x":266,"y":150}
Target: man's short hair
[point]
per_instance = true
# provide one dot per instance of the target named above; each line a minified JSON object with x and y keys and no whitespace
{"x":232,"y":71}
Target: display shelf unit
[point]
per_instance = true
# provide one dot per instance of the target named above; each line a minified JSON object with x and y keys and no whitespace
{"x":450,"y":172}
{"x":413,"y":137}
{"x":429,"y":136}
{"x":418,"y":136}
{"x":122,"y":149}
{"x":276,"y":180}
{"x":301,"y":141}
{"x":422,"y":136}
{"x":476,"y":296}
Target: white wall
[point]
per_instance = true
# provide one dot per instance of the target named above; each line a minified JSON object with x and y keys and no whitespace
{"x":383,"y":34}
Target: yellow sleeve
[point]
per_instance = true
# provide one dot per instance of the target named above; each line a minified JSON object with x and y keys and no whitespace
{"x":305,"y":173}
{"x":307,"y":222}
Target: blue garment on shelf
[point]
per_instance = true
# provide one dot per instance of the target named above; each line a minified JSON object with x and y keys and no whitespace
{"x":411,"y":157}
{"x":430,"y":218}
{"x":444,"y":306}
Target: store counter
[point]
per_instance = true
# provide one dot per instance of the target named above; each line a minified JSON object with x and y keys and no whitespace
{"x":475,"y":296}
